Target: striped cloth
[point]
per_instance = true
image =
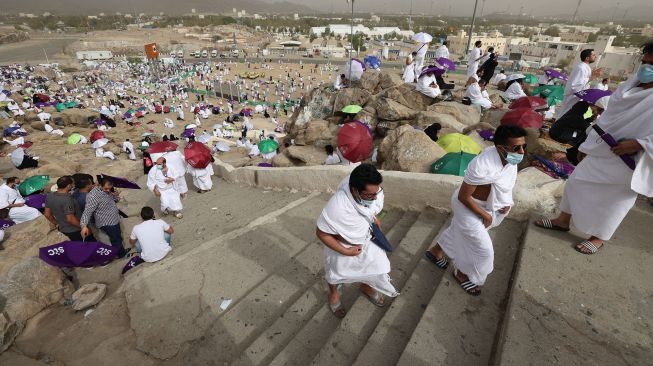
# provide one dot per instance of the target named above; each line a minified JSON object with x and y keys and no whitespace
{"x":101,"y":206}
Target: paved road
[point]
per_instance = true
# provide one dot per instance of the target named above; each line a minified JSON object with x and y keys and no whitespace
{"x":32,"y":50}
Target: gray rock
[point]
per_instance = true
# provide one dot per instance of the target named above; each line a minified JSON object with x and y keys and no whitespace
{"x":408,"y":96}
{"x":307,"y":155}
{"x":389,"y":79}
{"x":409,"y":150}
{"x":347,"y":96}
{"x":9,"y":330}
{"x":466,"y":114}
{"x":369,"y":81}
{"x":88,"y":295}
{"x":427,"y":118}
{"x":390,"y":110}
{"x":318,"y":104}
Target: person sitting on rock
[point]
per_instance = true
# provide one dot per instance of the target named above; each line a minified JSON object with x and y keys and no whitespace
{"x":12,"y":201}
{"x":332,"y":157}
{"x":427,"y":84}
{"x":340,"y":82}
{"x":514,"y":87}
{"x":475,"y":94}
{"x":152,"y":237}
{"x":51,"y":130}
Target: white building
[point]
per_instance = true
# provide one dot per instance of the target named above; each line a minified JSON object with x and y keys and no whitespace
{"x":345,"y":29}
{"x":457,"y":44}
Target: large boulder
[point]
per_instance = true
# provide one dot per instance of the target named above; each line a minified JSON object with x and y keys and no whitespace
{"x":88,"y":295}
{"x":541,"y":146}
{"x":283,"y":161}
{"x":76,"y":117}
{"x":536,"y":189}
{"x":317,"y":104}
{"x":390,"y":110}
{"x":368,"y":116}
{"x":427,"y":118}
{"x":306,"y":155}
{"x":408,"y":150}
{"x":369,"y":81}
{"x":493,"y":116}
{"x":407,"y":95}
{"x":318,"y":132}
{"x":466,"y":114}
{"x":383,"y":128}
{"x":388,"y":80}
{"x":347,"y":96}
{"x":29,"y":287}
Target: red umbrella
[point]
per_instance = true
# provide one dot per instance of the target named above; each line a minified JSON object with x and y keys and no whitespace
{"x":355,"y":141}
{"x":162,"y":147}
{"x":26,"y":145}
{"x":139,"y":114}
{"x":197,"y":155}
{"x":530,"y":102}
{"x":96,"y":135}
{"x":523,"y":117}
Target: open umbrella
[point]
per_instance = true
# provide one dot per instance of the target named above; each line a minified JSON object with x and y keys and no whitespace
{"x":188,"y":133}
{"x":36,"y":201}
{"x":162,"y":147}
{"x":267,"y":146}
{"x":456,"y":142}
{"x":553,"y":94}
{"x":434,"y":70}
{"x":452,"y":164}
{"x":487,"y":135}
{"x":555,"y":74}
{"x":26,"y":145}
{"x":592,"y":95}
{"x":446,"y":63}
{"x":17,"y":156}
{"x":222,"y":146}
{"x":246,"y":112}
{"x":119,"y":182}
{"x":97,"y":135}
{"x":133,"y":262}
{"x":357,"y":68}
{"x":10,"y":130}
{"x":5,"y":224}
{"x":145,"y":134}
{"x":523,"y":117}
{"x":33,"y":184}
{"x":530,"y":79}
{"x":74,"y":139}
{"x":259,"y":108}
{"x":197,"y":155}
{"x":99,"y":143}
{"x":352,"y":109}
{"x":60,"y":107}
{"x":372,"y":62}
{"x":535,"y":103}
{"x":422,"y":37}
{"x":77,"y":254}
{"x":190,"y":126}
{"x":355,"y":141}
{"x":127,"y":115}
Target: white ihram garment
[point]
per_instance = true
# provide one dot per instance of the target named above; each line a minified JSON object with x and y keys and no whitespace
{"x":176,"y":160}
{"x":467,"y":240}
{"x":170,"y":199}
{"x":100,"y":153}
{"x":578,"y":80}
{"x":351,"y":221}
{"x":424,"y":86}
{"x":409,"y":73}
{"x":475,"y":94}
{"x":421,"y":50}
{"x":514,"y":91}
{"x":10,"y":196}
{"x":473,"y":61}
{"x":602,"y":188}
{"x":202,"y":177}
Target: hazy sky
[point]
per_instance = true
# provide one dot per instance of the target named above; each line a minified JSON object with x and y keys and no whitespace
{"x":461,"y":7}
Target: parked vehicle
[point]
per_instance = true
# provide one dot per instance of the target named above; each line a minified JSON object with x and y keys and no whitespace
{"x":198,"y":54}
{"x":235,"y":53}
{"x":205,"y":54}
{"x":214,"y":53}
{"x":180,"y":54}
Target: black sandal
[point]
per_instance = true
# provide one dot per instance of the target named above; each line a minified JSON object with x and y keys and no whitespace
{"x":468,"y":285}
{"x":440,"y":263}
{"x":547,"y":224}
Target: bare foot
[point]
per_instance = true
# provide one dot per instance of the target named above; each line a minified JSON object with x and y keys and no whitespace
{"x":372,"y":293}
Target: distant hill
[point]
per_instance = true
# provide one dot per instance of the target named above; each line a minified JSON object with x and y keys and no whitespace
{"x":170,"y":7}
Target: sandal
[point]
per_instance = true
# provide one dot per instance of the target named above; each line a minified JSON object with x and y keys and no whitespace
{"x":440,"y":263}
{"x":469,"y":287}
{"x":338,"y":309}
{"x":547,"y":224}
{"x":376,"y":298}
{"x":587,"y":245}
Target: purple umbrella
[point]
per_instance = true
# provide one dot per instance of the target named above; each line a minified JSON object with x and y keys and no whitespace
{"x":433,"y":69}
{"x":264,"y":165}
{"x":487,"y":135}
{"x":450,"y":65}
{"x":77,"y":254}
{"x":555,"y":74}
{"x":99,"y":122}
{"x":609,"y":139}
{"x":5,"y":224}
{"x":592,"y":95}
{"x":127,"y":115}
{"x":188,"y":133}
{"x":119,"y":182}
{"x":133,"y":262}
{"x":36,"y":201}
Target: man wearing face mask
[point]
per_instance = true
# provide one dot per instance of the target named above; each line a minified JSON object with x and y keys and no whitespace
{"x":63,"y":211}
{"x":344,"y":228}
{"x":161,"y":182}
{"x":12,"y":200}
{"x":603,"y":188}
{"x":481,"y":203}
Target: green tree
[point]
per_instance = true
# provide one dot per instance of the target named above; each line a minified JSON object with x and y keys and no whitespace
{"x":552,"y":31}
{"x":592,"y":37}
{"x":312,"y":37}
{"x":358,"y":42}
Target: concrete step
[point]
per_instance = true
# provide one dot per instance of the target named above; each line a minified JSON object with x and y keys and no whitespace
{"x":308,"y":341}
{"x":363,"y":317}
{"x":574,"y":309}
{"x":393,"y":332}
{"x":459,"y":329}
{"x":274,"y":338}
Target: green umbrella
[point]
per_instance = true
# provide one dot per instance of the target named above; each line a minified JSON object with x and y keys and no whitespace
{"x":267,"y":146}
{"x":33,"y":184}
{"x":553,"y":94}
{"x":71,"y":104}
{"x":74,"y":138}
{"x":352,"y":109}
{"x":60,"y":107}
{"x":530,"y":79}
{"x":452,"y":164}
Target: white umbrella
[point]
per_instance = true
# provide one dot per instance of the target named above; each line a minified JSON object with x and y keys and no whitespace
{"x":422,"y":37}
{"x":515,"y":77}
{"x":222,"y":146}
{"x":99,"y":143}
{"x":203,"y":138}
{"x":356,"y":70}
{"x":258,"y":108}
{"x":189,"y":126}
{"x":17,"y":156}
{"x":145,"y":134}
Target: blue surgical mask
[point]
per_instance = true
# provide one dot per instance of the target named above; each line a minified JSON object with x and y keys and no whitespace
{"x":160,"y":167}
{"x":645,"y":73}
{"x":514,"y":158}
{"x":366,"y":203}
